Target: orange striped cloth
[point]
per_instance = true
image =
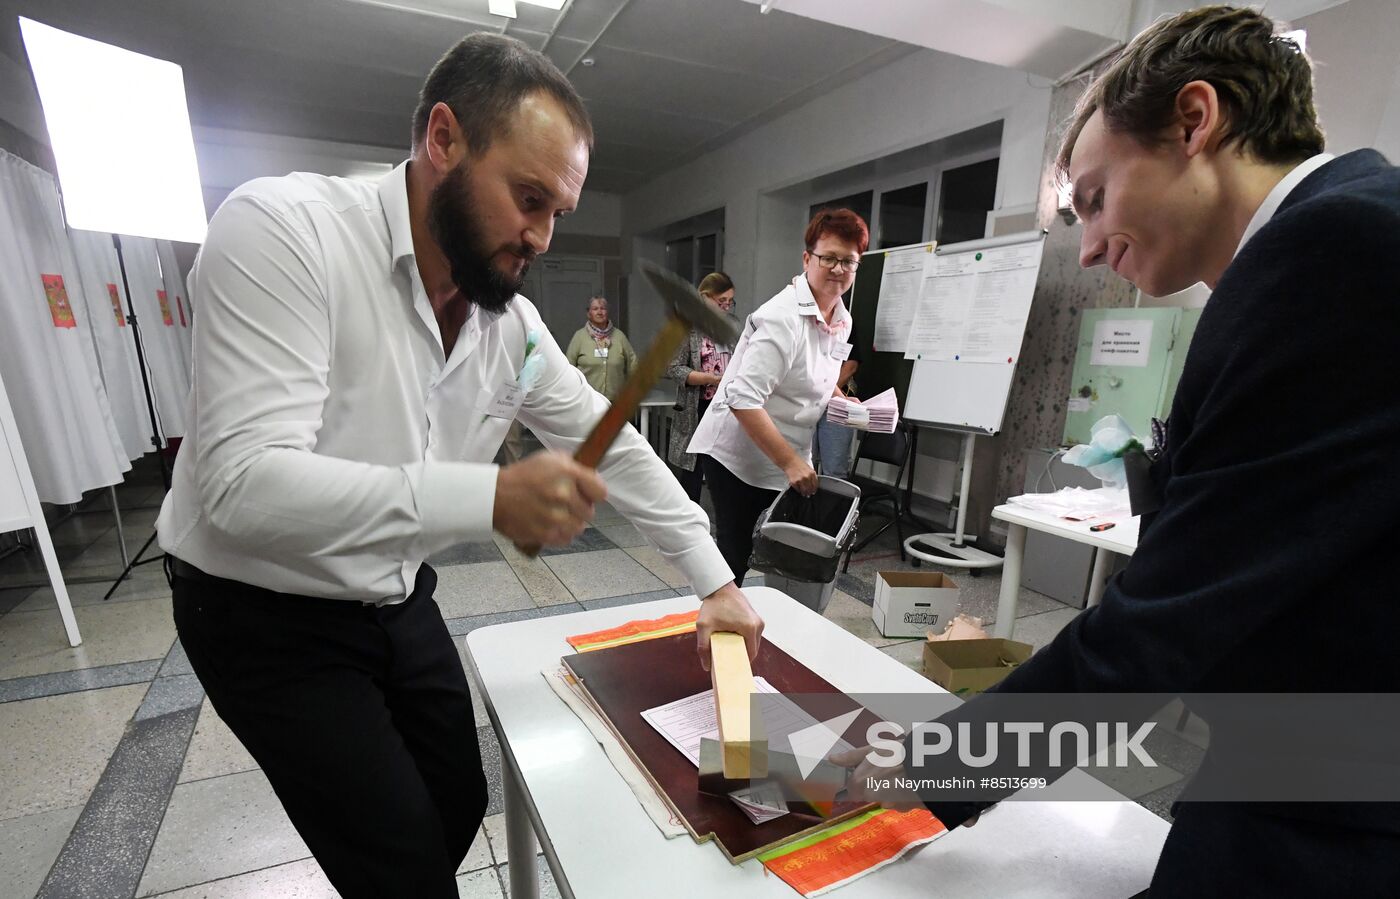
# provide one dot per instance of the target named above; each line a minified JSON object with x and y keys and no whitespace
{"x":850,"y":850}
{"x":635,"y":631}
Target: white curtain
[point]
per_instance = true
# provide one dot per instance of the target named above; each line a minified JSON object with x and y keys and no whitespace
{"x":47,"y":356}
{"x":159,"y":319}
{"x":105,"y":306}
{"x":175,"y":287}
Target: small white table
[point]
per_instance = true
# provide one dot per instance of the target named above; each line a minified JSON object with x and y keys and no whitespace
{"x":561,"y":789}
{"x":1121,"y":539}
{"x":658,"y":398}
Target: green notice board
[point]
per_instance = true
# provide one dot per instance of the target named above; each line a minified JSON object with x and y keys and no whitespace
{"x":1121,"y":367}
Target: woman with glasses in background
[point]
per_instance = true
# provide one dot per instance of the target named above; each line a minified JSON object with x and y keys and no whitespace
{"x":758,"y":429}
{"x":698,"y":365}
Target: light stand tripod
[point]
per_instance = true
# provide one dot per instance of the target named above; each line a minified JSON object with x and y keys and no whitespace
{"x":157,"y":439}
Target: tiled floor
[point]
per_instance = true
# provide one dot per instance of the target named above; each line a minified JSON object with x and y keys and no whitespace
{"x":118,"y":779}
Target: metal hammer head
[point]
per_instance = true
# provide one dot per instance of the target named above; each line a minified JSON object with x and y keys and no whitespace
{"x":688,"y":306}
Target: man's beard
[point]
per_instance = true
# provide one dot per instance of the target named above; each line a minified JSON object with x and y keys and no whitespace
{"x":455,"y":226}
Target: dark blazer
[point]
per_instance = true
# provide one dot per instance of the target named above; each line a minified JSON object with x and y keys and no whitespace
{"x":1270,"y":565}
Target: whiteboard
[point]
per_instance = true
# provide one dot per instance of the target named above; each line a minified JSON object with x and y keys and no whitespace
{"x":963,"y":394}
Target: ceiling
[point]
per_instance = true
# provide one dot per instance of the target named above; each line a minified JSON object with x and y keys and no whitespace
{"x":330,"y":85}
{"x":1051,"y":39}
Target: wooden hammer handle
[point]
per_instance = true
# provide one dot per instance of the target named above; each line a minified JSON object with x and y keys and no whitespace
{"x":650,"y":367}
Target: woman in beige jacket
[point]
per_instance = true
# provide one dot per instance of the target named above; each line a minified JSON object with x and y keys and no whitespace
{"x":601,"y":351}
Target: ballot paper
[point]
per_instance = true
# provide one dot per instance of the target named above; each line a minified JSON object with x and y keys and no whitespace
{"x":566,"y":687}
{"x":685,"y":722}
{"x":1077,"y":504}
{"x":879,"y":413}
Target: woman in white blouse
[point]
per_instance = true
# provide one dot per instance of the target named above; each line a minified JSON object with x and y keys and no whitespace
{"x":758,"y":430}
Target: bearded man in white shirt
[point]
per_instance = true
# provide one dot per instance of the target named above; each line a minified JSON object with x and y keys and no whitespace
{"x":360,"y":355}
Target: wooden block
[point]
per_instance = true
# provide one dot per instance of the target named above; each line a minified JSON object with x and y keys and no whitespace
{"x":745,"y":752}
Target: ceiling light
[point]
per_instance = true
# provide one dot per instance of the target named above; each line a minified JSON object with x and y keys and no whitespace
{"x":501,"y":8}
{"x":547,"y":4}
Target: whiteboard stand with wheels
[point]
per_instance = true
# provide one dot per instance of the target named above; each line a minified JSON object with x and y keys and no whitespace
{"x":954,"y":549}
{"x":965,"y":338}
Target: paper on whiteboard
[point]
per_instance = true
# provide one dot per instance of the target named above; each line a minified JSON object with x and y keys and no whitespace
{"x":942,"y":313}
{"x":1122,"y":343}
{"x":899,"y":292}
{"x":973,"y":306}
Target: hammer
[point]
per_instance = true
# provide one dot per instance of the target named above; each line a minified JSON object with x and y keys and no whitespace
{"x":688,"y":310}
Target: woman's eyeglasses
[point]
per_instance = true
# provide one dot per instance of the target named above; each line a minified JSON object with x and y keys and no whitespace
{"x":833,"y":262}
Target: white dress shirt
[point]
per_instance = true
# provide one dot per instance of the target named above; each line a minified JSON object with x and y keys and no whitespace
{"x":332,"y":447}
{"x":1280,"y":192}
{"x":786,"y":364}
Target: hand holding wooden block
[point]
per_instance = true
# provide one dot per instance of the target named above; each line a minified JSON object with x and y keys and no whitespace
{"x":745,"y":751}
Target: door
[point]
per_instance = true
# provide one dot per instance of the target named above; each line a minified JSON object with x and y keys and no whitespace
{"x":1120,"y":367}
{"x":565,"y":285}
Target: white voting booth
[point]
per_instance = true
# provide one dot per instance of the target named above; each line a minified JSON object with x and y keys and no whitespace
{"x":19,"y":509}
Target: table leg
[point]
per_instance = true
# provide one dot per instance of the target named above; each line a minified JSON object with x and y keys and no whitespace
{"x":1098,"y":578}
{"x":1010,"y":580}
{"x":520,"y":836}
{"x":646,"y":424}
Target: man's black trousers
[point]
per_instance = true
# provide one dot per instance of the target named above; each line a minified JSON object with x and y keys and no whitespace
{"x":359,"y":715}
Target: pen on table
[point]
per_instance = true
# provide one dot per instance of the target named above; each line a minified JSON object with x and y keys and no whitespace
{"x":1102,"y":527}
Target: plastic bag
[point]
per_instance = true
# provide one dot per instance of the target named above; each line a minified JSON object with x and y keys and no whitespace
{"x":1110,"y":439}
{"x":825,"y":512}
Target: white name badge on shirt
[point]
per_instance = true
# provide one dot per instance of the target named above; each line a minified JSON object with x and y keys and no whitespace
{"x":600,"y":352}
{"x":841,"y":351}
{"x":506,"y":402}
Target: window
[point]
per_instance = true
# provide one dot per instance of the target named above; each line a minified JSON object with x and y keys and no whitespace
{"x":965,"y":195}
{"x":860,"y":204}
{"x":902,"y":216}
{"x":695,"y":246}
{"x":680,"y":257}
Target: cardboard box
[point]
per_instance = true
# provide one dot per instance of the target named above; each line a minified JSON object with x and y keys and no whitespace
{"x":965,"y":667}
{"x":908,"y":603}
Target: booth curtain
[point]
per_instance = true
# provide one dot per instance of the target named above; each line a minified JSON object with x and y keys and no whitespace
{"x":66,"y":355}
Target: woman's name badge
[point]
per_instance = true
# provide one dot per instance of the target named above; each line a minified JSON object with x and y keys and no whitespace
{"x":841,"y":351}
{"x":506,"y":402}
{"x":600,"y":352}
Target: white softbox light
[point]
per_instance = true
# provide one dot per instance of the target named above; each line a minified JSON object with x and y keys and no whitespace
{"x":121,"y":136}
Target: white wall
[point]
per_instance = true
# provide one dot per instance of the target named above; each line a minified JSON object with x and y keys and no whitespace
{"x":1357,"y":74}
{"x":921,"y":98}
{"x":599,"y":214}
{"x":19,"y":103}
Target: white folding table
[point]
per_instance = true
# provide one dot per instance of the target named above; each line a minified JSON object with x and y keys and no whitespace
{"x":561,"y":790}
{"x":659,"y":398}
{"x":1122,"y":539}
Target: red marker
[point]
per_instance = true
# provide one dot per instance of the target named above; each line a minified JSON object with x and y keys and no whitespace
{"x":1102,"y":527}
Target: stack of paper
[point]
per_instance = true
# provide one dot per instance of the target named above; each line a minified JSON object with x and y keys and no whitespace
{"x":879,"y":413}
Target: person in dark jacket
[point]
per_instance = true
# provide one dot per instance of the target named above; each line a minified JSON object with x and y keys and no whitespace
{"x":1197,"y":156}
{"x":698,"y":366}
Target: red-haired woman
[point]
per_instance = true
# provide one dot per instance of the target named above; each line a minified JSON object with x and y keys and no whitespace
{"x":757,"y":432}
